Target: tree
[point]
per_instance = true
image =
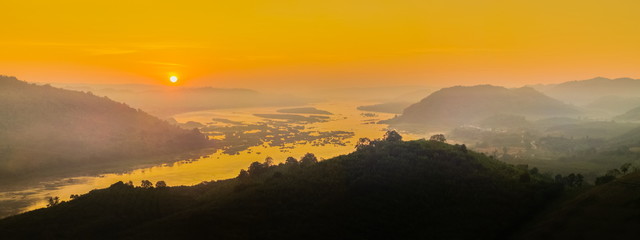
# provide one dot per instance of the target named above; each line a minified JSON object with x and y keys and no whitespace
{"x":438,"y":137}
{"x":256,"y":168}
{"x":392,"y":136}
{"x":625,"y":168}
{"x":291,"y":161}
{"x":525,"y":177}
{"x":244,"y":175}
{"x":571,"y":180}
{"x":363,"y":143}
{"x":559,"y":179}
{"x":53,"y":201}
{"x":308,"y":160}
{"x":74,"y":196}
{"x":604,"y":179}
{"x":463,"y":148}
{"x":161,"y":184}
{"x":614,"y":172}
{"x":579,"y":180}
{"x":146,"y":184}
{"x":268,"y":162}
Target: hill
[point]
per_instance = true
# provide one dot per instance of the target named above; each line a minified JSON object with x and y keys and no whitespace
{"x":386,"y":189}
{"x":608,"y":211}
{"x":455,"y":106}
{"x":627,"y":141}
{"x":632,"y":115}
{"x":44,"y":129}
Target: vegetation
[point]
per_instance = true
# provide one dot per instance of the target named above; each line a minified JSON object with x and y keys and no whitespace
{"x":387,"y":188}
{"x":615,"y":173}
{"x":275,"y":133}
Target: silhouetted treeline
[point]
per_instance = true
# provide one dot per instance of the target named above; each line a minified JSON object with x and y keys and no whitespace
{"x":386,"y":189}
{"x":45,"y":128}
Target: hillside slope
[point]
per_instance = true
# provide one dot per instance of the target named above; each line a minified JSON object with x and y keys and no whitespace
{"x":632,"y":115}
{"x":609,"y":211}
{"x":451,"y":107}
{"x":43,"y":128}
{"x":388,"y":189}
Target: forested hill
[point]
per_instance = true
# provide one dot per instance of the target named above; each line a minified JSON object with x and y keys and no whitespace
{"x":386,"y":189}
{"x":607,"y":211}
{"x":43,"y":128}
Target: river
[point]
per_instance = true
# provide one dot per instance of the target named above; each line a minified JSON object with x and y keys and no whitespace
{"x":269,"y":134}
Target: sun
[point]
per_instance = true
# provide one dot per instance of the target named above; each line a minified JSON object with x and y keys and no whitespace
{"x":173,"y":79}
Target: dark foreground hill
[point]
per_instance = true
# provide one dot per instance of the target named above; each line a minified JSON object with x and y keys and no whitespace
{"x":455,"y":106}
{"x":44,"y":129}
{"x":387,"y":189}
{"x":608,"y":211}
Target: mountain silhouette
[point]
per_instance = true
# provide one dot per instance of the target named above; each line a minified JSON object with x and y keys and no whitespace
{"x":455,"y":106}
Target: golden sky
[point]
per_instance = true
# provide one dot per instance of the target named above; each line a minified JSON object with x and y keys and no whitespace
{"x":319,"y":43}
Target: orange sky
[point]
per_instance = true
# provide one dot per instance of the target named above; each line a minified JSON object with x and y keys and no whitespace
{"x":319,"y":43}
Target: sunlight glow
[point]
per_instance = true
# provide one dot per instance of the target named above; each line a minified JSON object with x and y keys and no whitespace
{"x":173,"y":79}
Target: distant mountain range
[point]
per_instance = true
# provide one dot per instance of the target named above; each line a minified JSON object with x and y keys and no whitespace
{"x":454,"y":106}
{"x":584,"y":92}
{"x":45,"y":129}
{"x":164,"y":101}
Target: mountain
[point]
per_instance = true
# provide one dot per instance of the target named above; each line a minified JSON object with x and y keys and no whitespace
{"x":608,"y":211}
{"x":455,"y":106}
{"x":164,"y":101}
{"x":46,"y":129}
{"x":584,"y":92}
{"x":386,"y":189}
